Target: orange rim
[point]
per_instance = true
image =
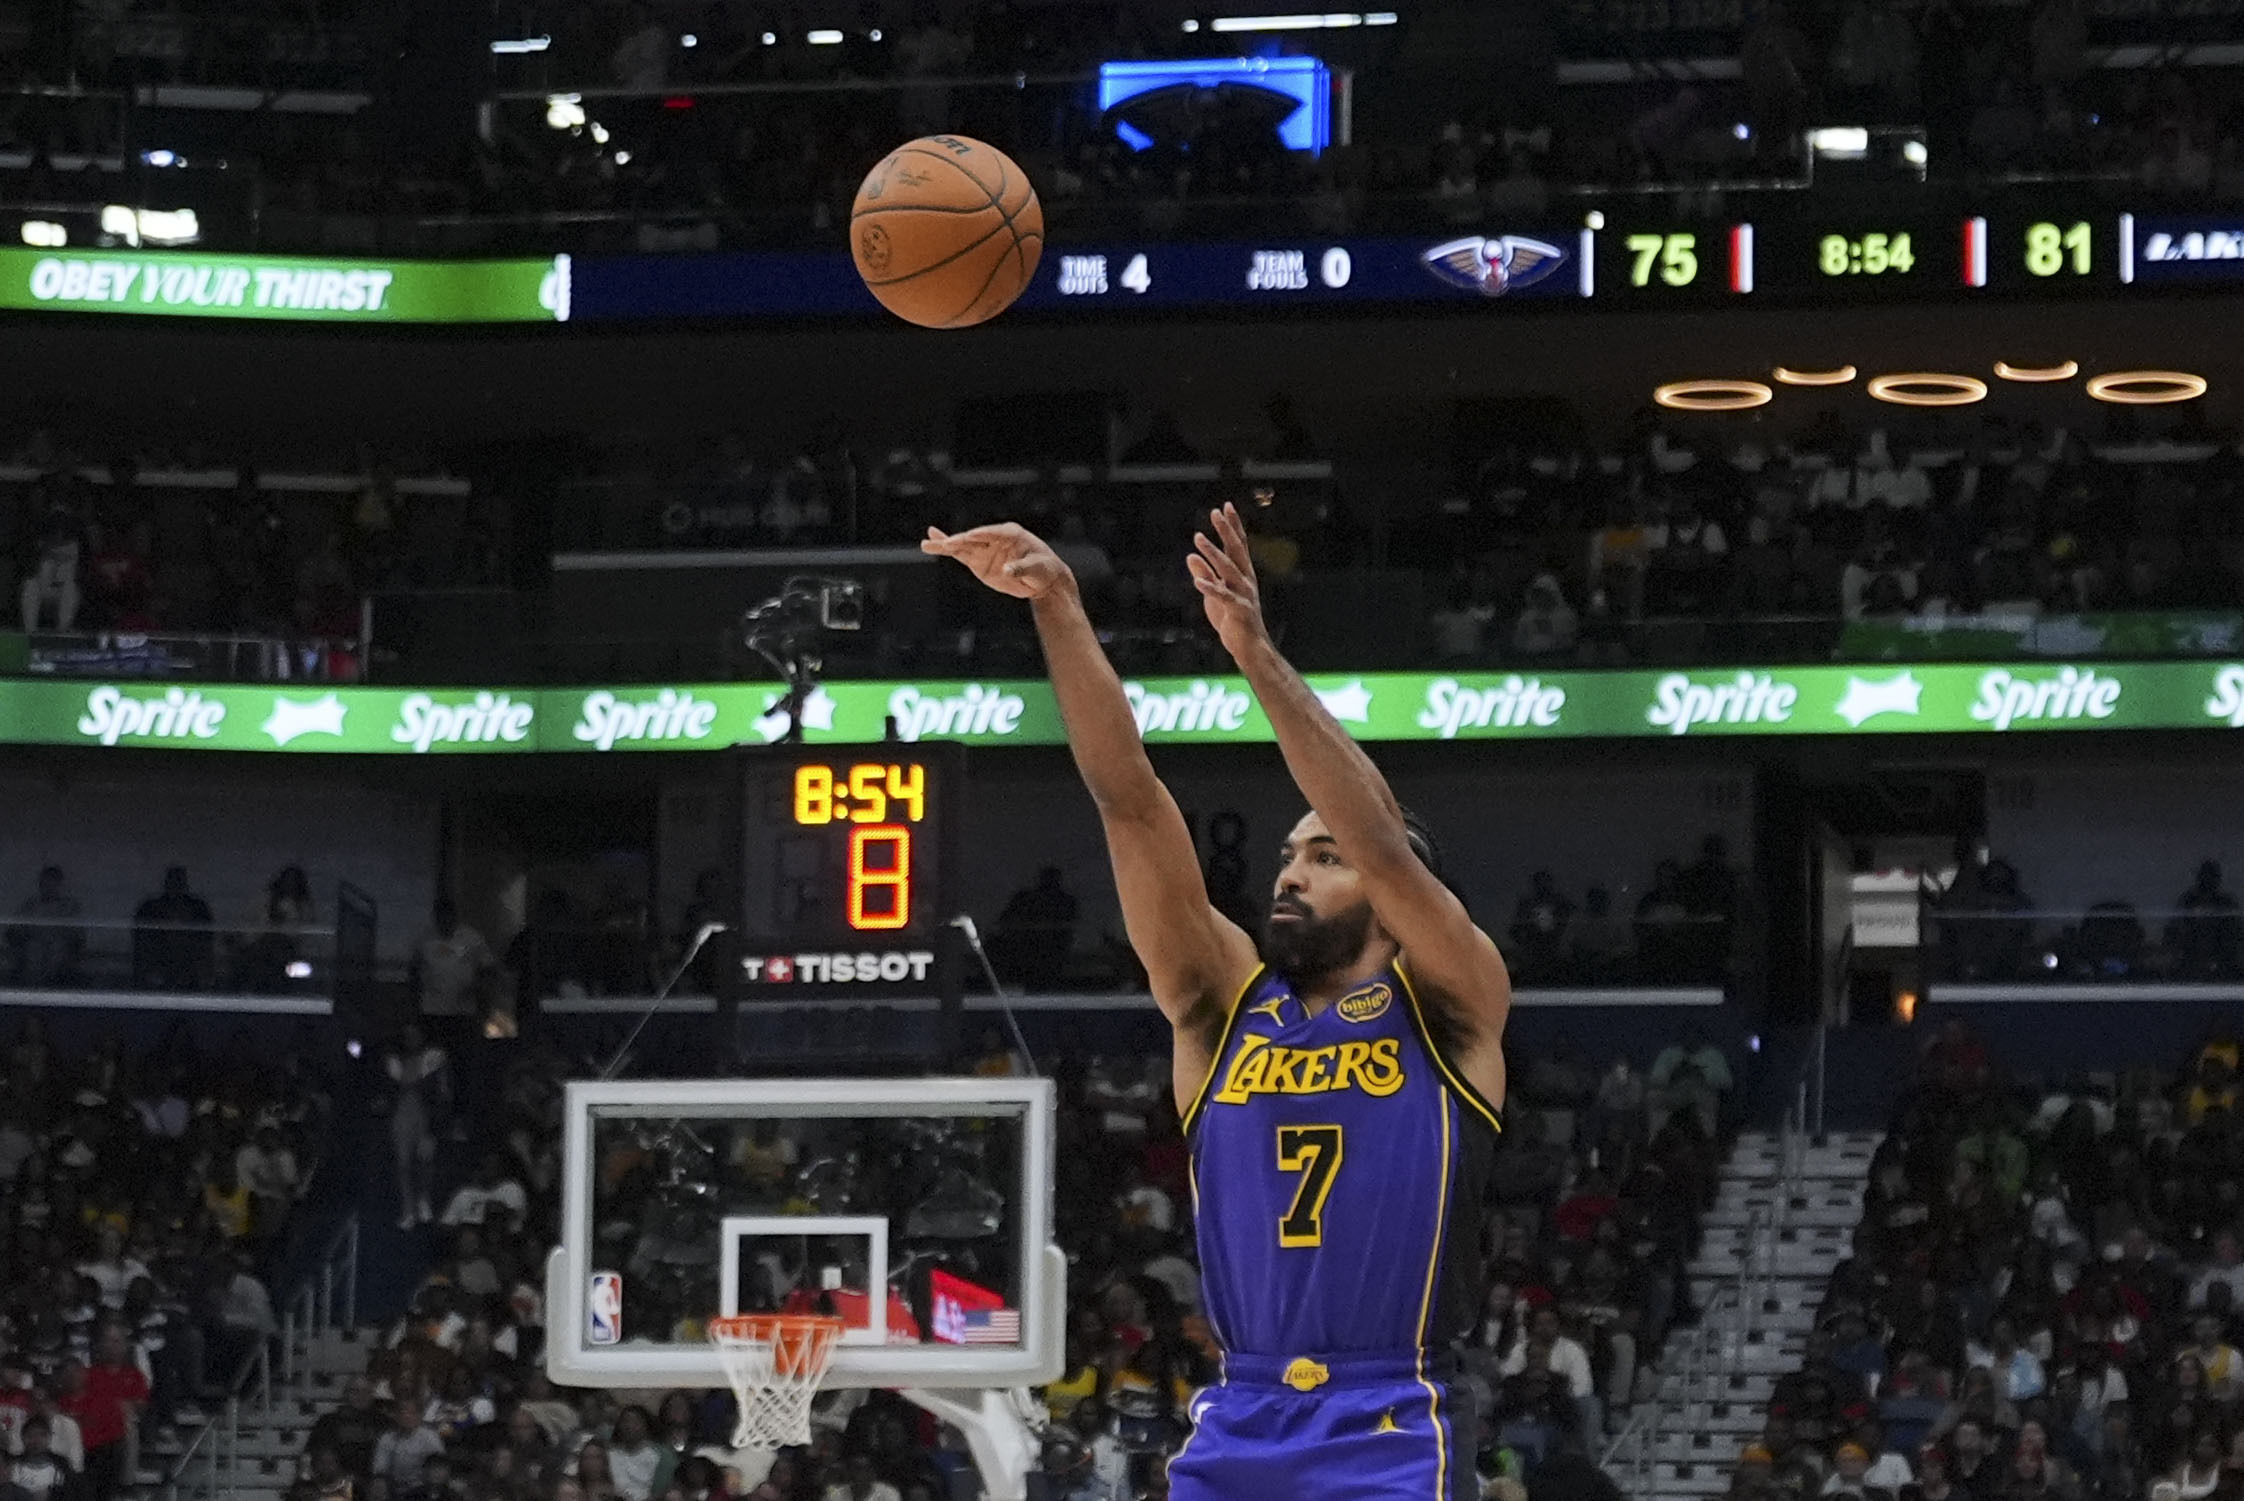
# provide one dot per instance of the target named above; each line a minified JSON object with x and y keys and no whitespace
{"x":800,"y":1342}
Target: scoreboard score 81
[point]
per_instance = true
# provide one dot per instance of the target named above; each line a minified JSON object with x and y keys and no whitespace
{"x":844,"y":859}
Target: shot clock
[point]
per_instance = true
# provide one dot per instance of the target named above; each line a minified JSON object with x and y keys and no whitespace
{"x":843,"y":856}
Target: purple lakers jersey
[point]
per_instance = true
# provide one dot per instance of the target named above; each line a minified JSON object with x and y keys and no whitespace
{"x":1338,"y":1167}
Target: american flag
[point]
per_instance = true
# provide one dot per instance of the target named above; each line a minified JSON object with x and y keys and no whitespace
{"x":989,"y":1326}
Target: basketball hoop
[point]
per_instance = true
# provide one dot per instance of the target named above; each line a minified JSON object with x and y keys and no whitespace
{"x":774,"y":1362}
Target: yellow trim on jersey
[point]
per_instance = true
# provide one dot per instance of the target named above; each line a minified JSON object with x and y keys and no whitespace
{"x":1455,"y":1080}
{"x":1223,"y":1045}
{"x":1426,"y":1313}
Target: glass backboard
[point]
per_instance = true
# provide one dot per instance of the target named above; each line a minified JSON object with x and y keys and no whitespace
{"x":918,"y":1211}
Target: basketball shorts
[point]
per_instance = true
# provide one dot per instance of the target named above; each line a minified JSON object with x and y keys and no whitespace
{"x":1328,"y":1428}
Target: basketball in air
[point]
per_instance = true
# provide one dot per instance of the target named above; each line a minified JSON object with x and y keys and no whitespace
{"x":946,"y":231}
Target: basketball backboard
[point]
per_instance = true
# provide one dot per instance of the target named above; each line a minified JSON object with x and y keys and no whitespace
{"x":919,"y":1211}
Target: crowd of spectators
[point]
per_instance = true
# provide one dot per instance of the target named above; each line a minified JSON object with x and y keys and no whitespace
{"x":781,"y":158}
{"x":1592,"y":1215}
{"x":131,"y":545}
{"x":173,"y":940}
{"x":1560,"y":555}
{"x":2041,"y":1299}
{"x":1683,"y":928}
{"x":1989,"y":929}
{"x":143,"y":1198}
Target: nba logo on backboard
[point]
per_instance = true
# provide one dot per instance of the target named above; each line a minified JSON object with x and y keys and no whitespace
{"x":603,"y":1309}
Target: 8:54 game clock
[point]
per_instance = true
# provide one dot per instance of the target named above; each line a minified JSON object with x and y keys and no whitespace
{"x":844,"y":855}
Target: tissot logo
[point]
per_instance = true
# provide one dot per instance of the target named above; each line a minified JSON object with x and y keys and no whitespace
{"x":837,"y":969}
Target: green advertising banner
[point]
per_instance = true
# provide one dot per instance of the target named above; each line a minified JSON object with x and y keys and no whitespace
{"x":271,"y":286}
{"x":1923,"y":698}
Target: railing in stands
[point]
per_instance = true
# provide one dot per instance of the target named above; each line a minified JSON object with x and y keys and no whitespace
{"x":326,"y":1299}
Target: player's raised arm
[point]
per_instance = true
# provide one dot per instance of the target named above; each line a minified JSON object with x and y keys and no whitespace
{"x":1195,"y":958}
{"x":1448,"y":956}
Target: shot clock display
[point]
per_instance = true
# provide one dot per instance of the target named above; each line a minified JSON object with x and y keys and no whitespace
{"x":843,"y":854}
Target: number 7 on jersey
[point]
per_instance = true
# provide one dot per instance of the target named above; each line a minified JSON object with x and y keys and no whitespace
{"x":1314,"y":1152}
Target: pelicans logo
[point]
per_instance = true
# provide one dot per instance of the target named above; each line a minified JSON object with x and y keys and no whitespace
{"x":1493,"y":265}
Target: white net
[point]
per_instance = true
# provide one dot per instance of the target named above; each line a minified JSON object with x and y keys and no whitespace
{"x":775,"y":1362}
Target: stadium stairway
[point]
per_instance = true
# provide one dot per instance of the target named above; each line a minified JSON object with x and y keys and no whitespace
{"x":1784,"y":1215}
{"x":247,"y":1447}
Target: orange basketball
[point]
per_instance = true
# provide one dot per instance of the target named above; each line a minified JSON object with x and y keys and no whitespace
{"x":946,"y":231}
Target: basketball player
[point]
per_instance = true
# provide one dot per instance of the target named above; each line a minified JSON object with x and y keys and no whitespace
{"x":1340,"y":1091}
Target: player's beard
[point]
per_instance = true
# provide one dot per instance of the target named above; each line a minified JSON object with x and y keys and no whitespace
{"x":1311,"y":947}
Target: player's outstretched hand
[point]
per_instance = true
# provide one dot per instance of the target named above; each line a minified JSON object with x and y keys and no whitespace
{"x":1223,"y":572}
{"x":1005,"y":555}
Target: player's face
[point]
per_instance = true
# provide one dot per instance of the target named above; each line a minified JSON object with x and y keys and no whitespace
{"x":1319,"y":915}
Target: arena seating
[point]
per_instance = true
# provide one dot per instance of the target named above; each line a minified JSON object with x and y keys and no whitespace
{"x":2041,"y":1299}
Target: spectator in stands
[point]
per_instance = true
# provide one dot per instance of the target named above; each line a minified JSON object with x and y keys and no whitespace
{"x":1460,"y":626}
{"x":1538,"y":931}
{"x":112,"y":1270}
{"x":452,"y":965}
{"x":403,"y":1453}
{"x":1543,"y":1346}
{"x":53,"y":587}
{"x":172,"y":946}
{"x":1601,"y":938}
{"x":494,"y":1198}
{"x":2207,"y":934}
{"x":267,"y":1168}
{"x":351,"y":1429}
{"x":1691,"y":1074}
{"x":1036,"y":931}
{"x":38,"y":1472}
{"x":269,"y":941}
{"x":421,"y":1078}
{"x":1547,"y":625}
{"x":45,"y":945}
{"x":105,"y":1399}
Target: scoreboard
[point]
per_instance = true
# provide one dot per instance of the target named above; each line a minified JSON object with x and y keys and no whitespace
{"x":1804,"y":252}
{"x":844,"y":864}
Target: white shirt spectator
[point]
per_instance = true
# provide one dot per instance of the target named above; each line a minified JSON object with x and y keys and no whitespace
{"x":41,"y":1477}
{"x":1179,"y":1276}
{"x":449,"y":967}
{"x":267,"y":1170}
{"x":2100,"y":1392}
{"x":164,"y":1115}
{"x":1149,"y":1208}
{"x":879,"y":1490}
{"x":113,"y":1277}
{"x":1568,"y":1359}
{"x":634,"y":1469}
{"x":472,"y":1203}
{"x":247,"y":1305}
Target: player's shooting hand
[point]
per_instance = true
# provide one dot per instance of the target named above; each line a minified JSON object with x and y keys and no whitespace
{"x":1005,"y":555}
{"x":1223,"y":571}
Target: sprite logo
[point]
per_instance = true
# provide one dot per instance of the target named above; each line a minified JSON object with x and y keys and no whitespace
{"x":1513,"y":704}
{"x":669,"y":715}
{"x":974,"y":710}
{"x":1749,"y":698}
{"x":422,"y":722}
{"x":1201,"y":706}
{"x":177,"y":714}
{"x":2073,"y":693}
{"x":2227,"y":702}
